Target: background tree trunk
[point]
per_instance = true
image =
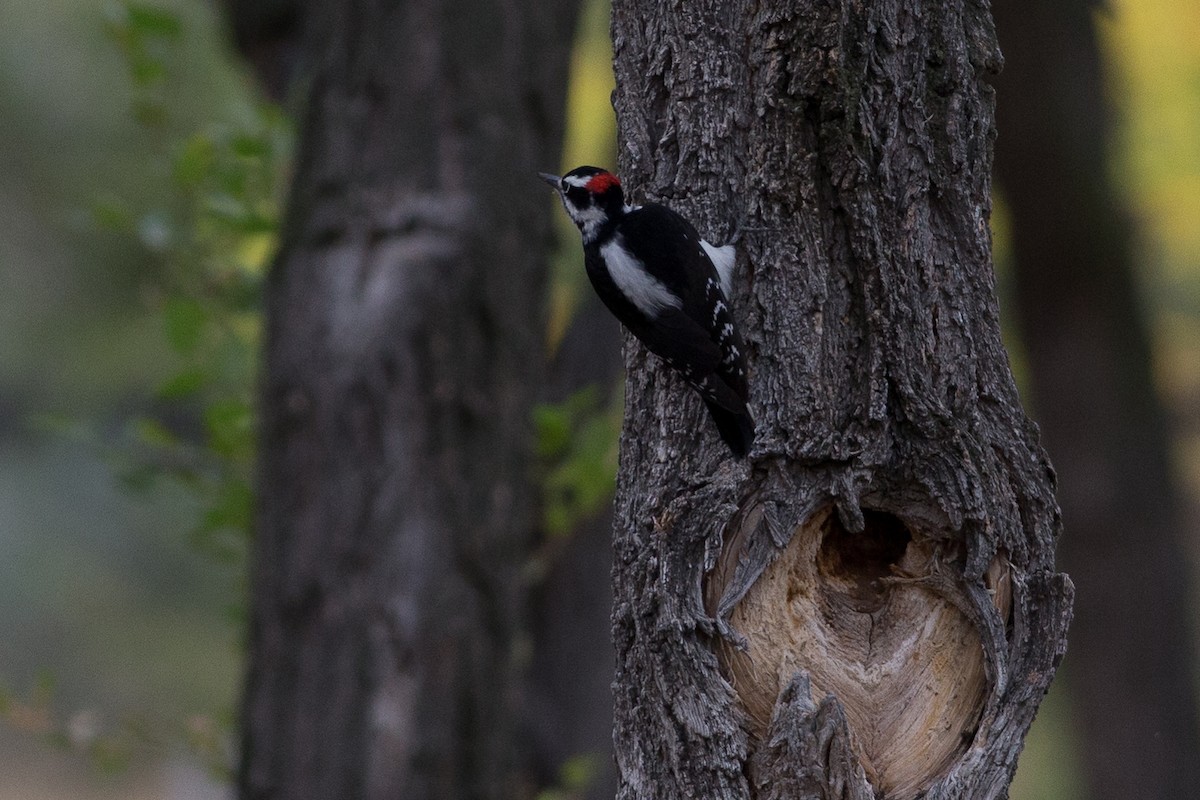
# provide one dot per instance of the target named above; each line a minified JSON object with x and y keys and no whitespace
{"x":868,"y":606}
{"x":1132,"y":671}
{"x":404,"y":341}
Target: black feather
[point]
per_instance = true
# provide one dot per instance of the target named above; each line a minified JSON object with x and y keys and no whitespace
{"x":696,"y":334}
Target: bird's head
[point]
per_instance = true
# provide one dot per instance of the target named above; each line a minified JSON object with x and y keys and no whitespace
{"x":592,"y":196}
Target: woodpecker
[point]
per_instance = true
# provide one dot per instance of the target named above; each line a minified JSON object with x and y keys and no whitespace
{"x":668,"y":287}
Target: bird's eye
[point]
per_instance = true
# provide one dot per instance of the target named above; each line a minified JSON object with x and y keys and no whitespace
{"x":577,"y":195}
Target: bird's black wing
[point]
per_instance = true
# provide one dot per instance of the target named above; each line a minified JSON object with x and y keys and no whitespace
{"x":670,"y":249}
{"x":700,"y":339}
{"x":678,"y":338}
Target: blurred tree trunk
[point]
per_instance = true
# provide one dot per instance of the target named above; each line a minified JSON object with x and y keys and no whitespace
{"x":268,"y":34}
{"x":404,"y":350}
{"x":867,"y":607}
{"x":1132,"y":674}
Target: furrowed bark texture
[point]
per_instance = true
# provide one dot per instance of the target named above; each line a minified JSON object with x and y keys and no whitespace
{"x":405,"y":329}
{"x":868,"y":607}
{"x":1132,"y":664}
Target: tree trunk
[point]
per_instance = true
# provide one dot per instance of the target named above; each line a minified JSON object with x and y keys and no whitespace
{"x":404,"y":349}
{"x":1132,"y":660}
{"x":868,"y":606}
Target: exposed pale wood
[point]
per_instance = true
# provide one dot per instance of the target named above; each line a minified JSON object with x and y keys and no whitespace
{"x":874,"y":620}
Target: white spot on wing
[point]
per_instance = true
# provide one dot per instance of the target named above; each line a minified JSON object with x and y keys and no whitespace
{"x":643,"y":289}
{"x":723,"y":258}
{"x":717,"y":309}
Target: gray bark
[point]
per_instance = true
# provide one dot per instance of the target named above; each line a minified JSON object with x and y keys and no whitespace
{"x":1090,"y":358}
{"x":404,"y":349}
{"x":868,"y":607}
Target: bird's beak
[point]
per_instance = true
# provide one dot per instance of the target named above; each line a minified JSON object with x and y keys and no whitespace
{"x":553,"y":180}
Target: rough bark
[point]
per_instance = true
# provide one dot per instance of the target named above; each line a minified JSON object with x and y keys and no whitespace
{"x":882,"y":566}
{"x":404,"y":333}
{"x":1132,"y":670}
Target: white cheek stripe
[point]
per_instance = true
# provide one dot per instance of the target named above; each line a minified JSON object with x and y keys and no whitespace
{"x":578,"y":180}
{"x":723,"y":258}
{"x":643,"y":289}
{"x":588,"y":219}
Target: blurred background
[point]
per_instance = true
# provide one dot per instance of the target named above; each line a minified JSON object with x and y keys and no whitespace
{"x":140,"y":190}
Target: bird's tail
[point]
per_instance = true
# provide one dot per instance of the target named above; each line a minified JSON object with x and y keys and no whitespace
{"x":737,"y":430}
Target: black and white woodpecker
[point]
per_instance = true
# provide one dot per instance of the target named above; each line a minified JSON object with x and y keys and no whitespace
{"x":669,"y":287}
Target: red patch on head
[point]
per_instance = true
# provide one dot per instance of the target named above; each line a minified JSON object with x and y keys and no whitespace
{"x":602,"y":183}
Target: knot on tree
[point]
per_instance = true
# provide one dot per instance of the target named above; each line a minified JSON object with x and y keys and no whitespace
{"x":877,"y":620}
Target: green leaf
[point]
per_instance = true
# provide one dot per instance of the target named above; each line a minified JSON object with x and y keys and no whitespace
{"x":109,"y":213}
{"x":223,"y":533}
{"x":230,"y":426}
{"x":153,"y":20}
{"x":147,"y":71}
{"x":247,"y":145}
{"x":557,"y":517}
{"x":195,"y":161}
{"x":183,"y":384}
{"x":154,"y":433}
{"x":184,"y":319}
{"x":577,"y":440}
{"x":231,"y":510}
{"x":578,"y":771}
{"x":254,"y":223}
{"x":553,"y":426}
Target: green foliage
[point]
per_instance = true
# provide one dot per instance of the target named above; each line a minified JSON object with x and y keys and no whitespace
{"x":209,"y":226}
{"x":212,"y":240}
{"x":145,"y":34}
{"x":590,"y":138}
{"x":577,"y":443}
{"x":577,"y":439}
{"x":574,"y":777}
